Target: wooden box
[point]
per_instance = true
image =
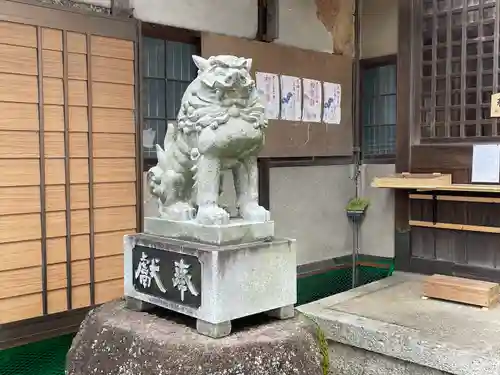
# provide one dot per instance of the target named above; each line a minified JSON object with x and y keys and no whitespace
{"x":456,"y":289}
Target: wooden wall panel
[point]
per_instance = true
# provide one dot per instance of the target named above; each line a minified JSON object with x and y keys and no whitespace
{"x":17,"y":34}
{"x":18,"y":88}
{"x":18,"y":60}
{"x":18,"y":116}
{"x":52,"y":64}
{"x":77,"y":43}
{"x":111,"y":47}
{"x":19,"y":145}
{"x":288,"y":138}
{"x":52,"y":39}
{"x":107,"y":120}
{"x":85,"y":216}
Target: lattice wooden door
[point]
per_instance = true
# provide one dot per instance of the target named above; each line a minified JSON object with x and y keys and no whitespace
{"x":68,"y":160}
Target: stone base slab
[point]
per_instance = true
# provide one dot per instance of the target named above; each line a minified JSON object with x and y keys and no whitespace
{"x":235,"y":281}
{"x":388,"y":322}
{"x":237,"y":231}
{"x":113,"y":340}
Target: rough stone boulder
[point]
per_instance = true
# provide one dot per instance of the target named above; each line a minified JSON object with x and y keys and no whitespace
{"x":116,"y":341}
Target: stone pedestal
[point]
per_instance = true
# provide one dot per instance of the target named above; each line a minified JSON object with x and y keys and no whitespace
{"x":116,"y":341}
{"x":213,"y":283}
{"x":237,"y":231}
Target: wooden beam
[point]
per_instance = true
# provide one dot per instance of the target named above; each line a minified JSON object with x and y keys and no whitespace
{"x":452,"y":226}
{"x":456,"y":289}
{"x":455,"y":198}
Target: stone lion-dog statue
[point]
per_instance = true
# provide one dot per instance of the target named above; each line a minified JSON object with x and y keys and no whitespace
{"x":220,"y":126}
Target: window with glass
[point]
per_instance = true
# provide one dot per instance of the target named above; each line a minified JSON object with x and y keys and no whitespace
{"x":167,"y":71}
{"x":457,"y":55}
{"x":378,"y":111}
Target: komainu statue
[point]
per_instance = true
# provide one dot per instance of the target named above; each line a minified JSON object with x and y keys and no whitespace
{"x":220,"y":126}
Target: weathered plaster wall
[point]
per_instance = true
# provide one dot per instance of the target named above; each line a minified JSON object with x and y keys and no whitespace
{"x":319,"y":25}
{"x":307,"y":203}
{"x":230,"y":17}
{"x":379,"y":28}
{"x":377,"y":231}
{"x":299,"y":26}
{"x":103,"y":3}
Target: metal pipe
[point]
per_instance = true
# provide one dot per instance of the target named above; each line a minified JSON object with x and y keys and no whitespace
{"x":357,"y":134}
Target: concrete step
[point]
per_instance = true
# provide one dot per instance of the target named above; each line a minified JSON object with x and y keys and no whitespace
{"x":386,"y":328}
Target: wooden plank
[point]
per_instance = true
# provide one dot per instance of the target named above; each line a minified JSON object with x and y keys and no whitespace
{"x":111,"y":47}
{"x":52,"y":64}
{"x":108,"y":145}
{"x":55,"y":196}
{"x":57,"y":299}
{"x":9,"y":170}
{"x":52,"y":39}
{"x":108,"y":120}
{"x":109,"y":268}
{"x":56,"y":249}
{"x":19,"y":116}
{"x":14,"y":228}
{"x":17,"y":34}
{"x":56,"y":274}
{"x":19,"y":145}
{"x":452,"y":226}
{"x":114,"y":170}
{"x":105,"y":69}
{"x":53,"y":91}
{"x":412,"y":181}
{"x":18,"y":60}
{"x":17,"y":255}
{"x":472,"y":188}
{"x":77,"y":66}
{"x":78,"y":145}
{"x":54,"y":171}
{"x":78,"y":119}
{"x":108,"y":290}
{"x":53,"y":117}
{"x":18,"y":88}
{"x":20,"y":307}
{"x":114,"y":194}
{"x":109,"y":243}
{"x":455,"y":198}
{"x":20,"y":282}
{"x":56,"y":223}
{"x":114,"y":219}
{"x":471,"y":292}
{"x":19,"y":200}
{"x":54,"y":144}
{"x":30,"y":306}
{"x":77,"y":93}
{"x":113,"y":95}
{"x":77,"y":43}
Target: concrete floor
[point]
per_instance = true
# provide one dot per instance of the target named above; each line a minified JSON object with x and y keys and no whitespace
{"x":390,"y":318}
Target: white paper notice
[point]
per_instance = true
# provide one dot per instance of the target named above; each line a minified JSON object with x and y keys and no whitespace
{"x":486,"y":163}
{"x":291,"y":98}
{"x":268,"y":87}
{"x":332,"y":93}
{"x":312,"y":100}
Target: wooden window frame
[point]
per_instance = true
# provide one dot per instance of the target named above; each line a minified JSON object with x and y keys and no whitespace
{"x":451,"y":101}
{"x":365,"y":64}
{"x":166,"y":33}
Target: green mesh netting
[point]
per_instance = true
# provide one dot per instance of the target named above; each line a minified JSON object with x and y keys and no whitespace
{"x":41,"y":358}
{"x":48,"y":357}
{"x":339,"y":280}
